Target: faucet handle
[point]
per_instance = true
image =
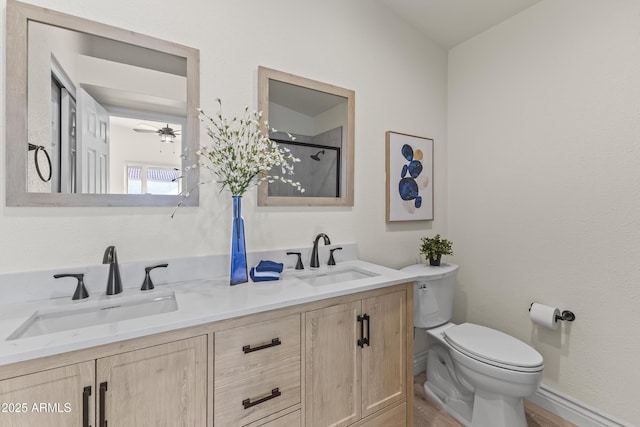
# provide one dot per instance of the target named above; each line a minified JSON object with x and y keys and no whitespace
{"x":299,"y":265}
{"x":332,"y":260}
{"x":81,"y":291}
{"x":147,"y":284}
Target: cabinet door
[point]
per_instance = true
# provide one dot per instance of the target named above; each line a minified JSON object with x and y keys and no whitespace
{"x":384,"y":359}
{"x":61,"y":397}
{"x":333,"y":363}
{"x":396,"y":417}
{"x":164,"y":385}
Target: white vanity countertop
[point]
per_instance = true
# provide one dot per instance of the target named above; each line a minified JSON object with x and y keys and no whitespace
{"x":199,"y":302}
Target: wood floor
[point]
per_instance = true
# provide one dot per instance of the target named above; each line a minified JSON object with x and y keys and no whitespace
{"x":428,"y":414}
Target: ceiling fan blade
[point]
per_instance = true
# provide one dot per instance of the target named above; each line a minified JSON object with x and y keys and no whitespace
{"x":145,"y":130}
{"x":143,"y":125}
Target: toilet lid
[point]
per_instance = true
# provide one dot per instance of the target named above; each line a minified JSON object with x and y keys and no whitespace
{"x":493,"y":347}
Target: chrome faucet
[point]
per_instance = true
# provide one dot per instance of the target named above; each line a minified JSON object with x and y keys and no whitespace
{"x":315,"y":261}
{"x":114,"y":282}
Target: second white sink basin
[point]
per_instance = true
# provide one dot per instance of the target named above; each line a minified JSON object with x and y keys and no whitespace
{"x":41,"y":322}
{"x":331,"y":276}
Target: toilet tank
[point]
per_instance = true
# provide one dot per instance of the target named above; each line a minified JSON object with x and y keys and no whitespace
{"x":432,"y":293}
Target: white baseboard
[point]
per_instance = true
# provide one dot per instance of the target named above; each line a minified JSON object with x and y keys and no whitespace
{"x":419,"y":362}
{"x":553,"y":401}
{"x":573,"y":410}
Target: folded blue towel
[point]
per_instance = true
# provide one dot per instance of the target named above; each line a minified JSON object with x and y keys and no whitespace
{"x":266,"y":274}
{"x":256,"y":278}
{"x":269,"y":266}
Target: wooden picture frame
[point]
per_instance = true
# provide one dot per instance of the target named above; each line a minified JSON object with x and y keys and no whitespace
{"x":409,"y":184}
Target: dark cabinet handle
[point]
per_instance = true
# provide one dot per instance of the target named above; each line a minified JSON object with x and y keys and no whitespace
{"x":85,"y":406}
{"x":361,"y":339}
{"x":247,"y":403}
{"x":274,"y":342}
{"x":367,"y":340}
{"x":103,"y":390}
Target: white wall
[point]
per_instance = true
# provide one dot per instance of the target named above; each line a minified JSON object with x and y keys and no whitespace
{"x":400,"y":84}
{"x":544,"y":189}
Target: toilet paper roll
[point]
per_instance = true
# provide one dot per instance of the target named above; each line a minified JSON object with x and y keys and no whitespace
{"x":544,"y":315}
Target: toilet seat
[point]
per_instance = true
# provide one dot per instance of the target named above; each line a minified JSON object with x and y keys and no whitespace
{"x":493,"y":347}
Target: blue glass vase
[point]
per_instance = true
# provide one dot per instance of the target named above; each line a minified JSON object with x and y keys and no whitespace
{"x":238,"y":249}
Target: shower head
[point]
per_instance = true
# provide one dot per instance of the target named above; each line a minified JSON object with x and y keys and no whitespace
{"x":316,"y":156}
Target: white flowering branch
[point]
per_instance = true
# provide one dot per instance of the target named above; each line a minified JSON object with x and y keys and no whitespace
{"x":240,"y":154}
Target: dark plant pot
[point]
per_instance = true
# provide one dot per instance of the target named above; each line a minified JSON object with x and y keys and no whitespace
{"x":435,"y":261}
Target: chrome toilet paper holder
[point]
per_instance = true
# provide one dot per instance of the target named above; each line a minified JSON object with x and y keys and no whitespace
{"x":566,"y":315}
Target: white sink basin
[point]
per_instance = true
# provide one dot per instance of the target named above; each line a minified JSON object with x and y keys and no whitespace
{"x":43,"y":322}
{"x":331,"y":276}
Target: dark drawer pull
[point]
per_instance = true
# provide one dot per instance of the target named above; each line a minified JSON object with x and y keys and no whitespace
{"x":247,"y":403}
{"x":274,"y":342}
{"x":362,"y":339}
{"x":85,"y":406}
{"x":367,"y":340}
{"x":101,"y":417}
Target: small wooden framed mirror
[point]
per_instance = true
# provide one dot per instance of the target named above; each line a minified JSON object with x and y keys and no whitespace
{"x":320,"y":117}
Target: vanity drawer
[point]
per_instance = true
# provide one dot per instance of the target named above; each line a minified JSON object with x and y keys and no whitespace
{"x":241,"y":353}
{"x":243,"y":402}
{"x":257,"y":371}
{"x":294,"y":419}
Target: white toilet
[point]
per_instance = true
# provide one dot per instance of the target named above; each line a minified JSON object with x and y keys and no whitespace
{"x":479,"y":375}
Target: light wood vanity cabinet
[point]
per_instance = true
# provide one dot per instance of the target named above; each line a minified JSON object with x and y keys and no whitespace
{"x":342,"y":361}
{"x":356,"y":360}
{"x":159,"y":385}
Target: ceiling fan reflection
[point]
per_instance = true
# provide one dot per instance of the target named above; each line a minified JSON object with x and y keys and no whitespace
{"x":167,"y":134}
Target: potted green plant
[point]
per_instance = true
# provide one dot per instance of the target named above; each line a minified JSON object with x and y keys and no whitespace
{"x":432,"y":248}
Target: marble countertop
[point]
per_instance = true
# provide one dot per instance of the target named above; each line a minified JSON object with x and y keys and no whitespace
{"x":199,"y":302}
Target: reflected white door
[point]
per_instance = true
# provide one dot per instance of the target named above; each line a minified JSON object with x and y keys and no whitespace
{"x":67,"y":142}
{"x":93,"y":145}
{"x":55,"y":137}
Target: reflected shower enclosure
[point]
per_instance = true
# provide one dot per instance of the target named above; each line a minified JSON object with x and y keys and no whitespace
{"x":317,"y":171}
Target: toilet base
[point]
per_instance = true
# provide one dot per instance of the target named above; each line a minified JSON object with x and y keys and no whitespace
{"x":443,"y":387}
{"x":485,"y":409}
{"x":477,"y":408}
{"x":458,"y":409}
{"x":497,"y":411}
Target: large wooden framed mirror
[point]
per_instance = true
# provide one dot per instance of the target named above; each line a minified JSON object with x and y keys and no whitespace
{"x":320,"y":116}
{"x":97,"y":115}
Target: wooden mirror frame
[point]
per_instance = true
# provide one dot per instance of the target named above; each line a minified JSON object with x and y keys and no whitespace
{"x":18,"y":16}
{"x":346,"y":199}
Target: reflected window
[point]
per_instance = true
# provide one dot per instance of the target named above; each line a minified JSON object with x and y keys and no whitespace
{"x":150,"y":179}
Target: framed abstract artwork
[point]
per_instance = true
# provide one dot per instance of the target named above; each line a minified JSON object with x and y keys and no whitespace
{"x":409,"y":177}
